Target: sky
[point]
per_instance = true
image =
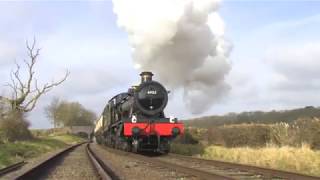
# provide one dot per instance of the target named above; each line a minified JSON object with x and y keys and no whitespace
{"x":275,"y":56}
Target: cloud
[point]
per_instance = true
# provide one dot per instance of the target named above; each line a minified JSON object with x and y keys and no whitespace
{"x":292,"y":56}
{"x":297,"y":62}
{"x":86,"y":81}
{"x":275,"y":66}
{"x":296,"y":69}
{"x":7,"y":54}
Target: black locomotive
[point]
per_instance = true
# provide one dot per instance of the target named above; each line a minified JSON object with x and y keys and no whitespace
{"x":135,"y":120}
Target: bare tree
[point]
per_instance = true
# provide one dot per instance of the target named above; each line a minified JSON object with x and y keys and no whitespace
{"x":26,"y":93}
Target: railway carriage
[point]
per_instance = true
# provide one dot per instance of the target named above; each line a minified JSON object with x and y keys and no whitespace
{"x":135,"y":120}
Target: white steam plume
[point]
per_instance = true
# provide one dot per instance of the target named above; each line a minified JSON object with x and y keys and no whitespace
{"x":182,"y":42}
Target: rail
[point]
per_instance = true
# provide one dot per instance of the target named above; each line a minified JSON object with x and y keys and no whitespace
{"x":12,"y":168}
{"x":104,"y":170}
{"x":259,"y":170}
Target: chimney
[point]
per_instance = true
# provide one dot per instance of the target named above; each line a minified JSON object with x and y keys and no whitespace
{"x":146,"y":76}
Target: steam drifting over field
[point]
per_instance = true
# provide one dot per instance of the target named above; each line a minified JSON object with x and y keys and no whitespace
{"x":182,"y":42}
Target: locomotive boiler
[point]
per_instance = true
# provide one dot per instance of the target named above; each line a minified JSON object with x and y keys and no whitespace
{"x":135,"y":120}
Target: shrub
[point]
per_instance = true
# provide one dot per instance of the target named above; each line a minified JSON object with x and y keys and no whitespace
{"x":1,"y":137}
{"x":316,"y":141}
{"x":83,"y":135}
{"x":187,"y":138}
{"x":281,"y":134}
{"x":190,"y":142}
{"x":14,"y":127}
{"x":307,"y":131}
{"x":240,"y":135}
{"x":187,"y":149}
{"x":301,"y":131}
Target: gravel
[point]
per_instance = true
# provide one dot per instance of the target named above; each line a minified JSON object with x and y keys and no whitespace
{"x":130,"y":168}
{"x":241,"y":175}
{"x":75,"y":165}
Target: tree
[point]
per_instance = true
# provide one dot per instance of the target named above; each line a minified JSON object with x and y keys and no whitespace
{"x":52,"y":111}
{"x":25,"y":94}
{"x":64,"y":113}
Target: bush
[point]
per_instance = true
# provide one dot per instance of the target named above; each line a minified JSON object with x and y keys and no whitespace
{"x":301,"y":131}
{"x":187,"y":149}
{"x":256,"y":135}
{"x":83,"y":135}
{"x":190,"y":143}
{"x":308,"y":131}
{"x":1,"y":137}
{"x":14,"y":127}
{"x":316,"y":141}
{"x":297,"y":133}
{"x":188,"y":137}
{"x":282,"y":134}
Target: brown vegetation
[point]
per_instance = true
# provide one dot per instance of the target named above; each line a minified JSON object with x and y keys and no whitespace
{"x":257,"y":117}
{"x":301,"y":131}
{"x":240,"y":135}
{"x":297,"y":159}
{"x":14,"y":127}
{"x":292,"y":146}
{"x":304,"y":131}
{"x":295,"y":134}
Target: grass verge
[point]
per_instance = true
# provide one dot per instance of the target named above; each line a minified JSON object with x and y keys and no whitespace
{"x":21,"y":150}
{"x":301,"y":160}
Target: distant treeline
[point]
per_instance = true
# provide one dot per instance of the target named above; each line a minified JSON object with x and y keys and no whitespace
{"x":286,"y":116}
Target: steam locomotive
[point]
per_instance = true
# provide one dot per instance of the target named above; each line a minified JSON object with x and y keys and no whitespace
{"x":135,"y":120}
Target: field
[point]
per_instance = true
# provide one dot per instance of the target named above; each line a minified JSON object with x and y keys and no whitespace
{"x":21,"y":150}
{"x":302,"y":160}
{"x":293,"y":146}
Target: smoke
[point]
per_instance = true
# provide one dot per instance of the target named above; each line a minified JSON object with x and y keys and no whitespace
{"x":182,"y":42}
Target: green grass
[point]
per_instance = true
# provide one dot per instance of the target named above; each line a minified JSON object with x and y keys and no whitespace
{"x":21,"y":150}
{"x":68,"y":139}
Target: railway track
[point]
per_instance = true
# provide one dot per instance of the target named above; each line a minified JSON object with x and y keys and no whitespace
{"x":265,"y":173}
{"x":82,"y":162}
{"x":194,"y":173}
{"x":209,"y":169}
{"x":40,"y":169}
{"x":12,"y":168}
{"x":104,"y":170}
{"x":75,"y":162}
